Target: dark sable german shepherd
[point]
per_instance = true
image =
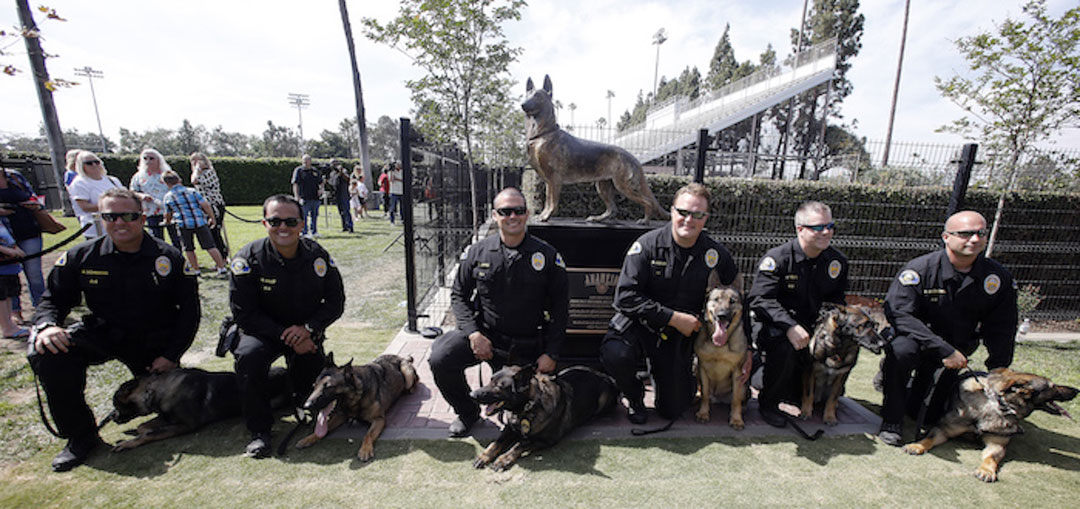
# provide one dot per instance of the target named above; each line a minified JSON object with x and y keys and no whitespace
{"x":184,"y":399}
{"x":560,"y":159}
{"x":721,"y":348}
{"x":366,"y":393}
{"x":542,"y":408}
{"x":834,"y":348}
{"x":991,"y":406}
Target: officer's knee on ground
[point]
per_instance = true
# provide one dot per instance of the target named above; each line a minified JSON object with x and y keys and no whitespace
{"x":616,"y":355}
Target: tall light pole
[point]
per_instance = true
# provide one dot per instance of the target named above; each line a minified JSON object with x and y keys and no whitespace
{"x":610,"y":94}
{"x":896,"y":87}
{"x":658,"y":38}
{"x":572,"y":108}
{"x":90,"y":73}
{"x":300,"y":101}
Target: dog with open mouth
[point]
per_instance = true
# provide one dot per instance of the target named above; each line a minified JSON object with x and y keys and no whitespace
{"x":990,"y":406}
{"x":722,"y":349}
{"x":364,"y":393}
{"x":541,"y":408}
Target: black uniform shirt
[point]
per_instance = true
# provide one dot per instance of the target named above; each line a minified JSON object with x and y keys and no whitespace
{"x":513,"y":291}
{"x":658,"y":277}
{"x":268,"y":293}
{"x":789,"y":287}
{"x":143,"y":294}
{"x":945,"y":310}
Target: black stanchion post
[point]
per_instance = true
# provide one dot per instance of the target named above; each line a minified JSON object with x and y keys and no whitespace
{"x":407,"y":220}
{"x":702,"y":148}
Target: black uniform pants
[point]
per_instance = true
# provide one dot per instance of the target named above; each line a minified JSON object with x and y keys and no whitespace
{"x":903,"y":356}
{"x":781,"y":380}
{"x":450,"y":356}
{"x":670,"y":365}
{"x":253,"y":359}
{"x":63,"y":376}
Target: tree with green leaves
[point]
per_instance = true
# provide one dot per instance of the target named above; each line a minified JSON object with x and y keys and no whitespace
{"x":1023,"y":86}
{"x":465,"y":55}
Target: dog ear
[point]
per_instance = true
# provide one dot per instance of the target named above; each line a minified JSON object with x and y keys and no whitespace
{"x":547,"y":84}
{"x":329,"y":361}
{"x":529,"y":86}
{"x":714,"y":281}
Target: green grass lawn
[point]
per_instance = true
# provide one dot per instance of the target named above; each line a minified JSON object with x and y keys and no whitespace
{"x":1042,"y":468}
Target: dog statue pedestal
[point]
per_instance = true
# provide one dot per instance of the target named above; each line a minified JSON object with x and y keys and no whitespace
{"x":593,"y":254}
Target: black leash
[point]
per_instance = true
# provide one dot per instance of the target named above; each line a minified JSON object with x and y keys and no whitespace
{"x":301,"y":420}
{"x":817,"y":434}
{"x":920,"y":433}
{"x":45,"y":419}
{"x":52,"y":248}
{"x":238,"y":218}
{"x":639,"y":432}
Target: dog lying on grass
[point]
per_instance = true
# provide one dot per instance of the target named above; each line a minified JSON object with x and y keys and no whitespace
{"x":542,"y":408}
{"x":990,"y":407}
{"x":184,"y":399}
{"x":366,"y":393}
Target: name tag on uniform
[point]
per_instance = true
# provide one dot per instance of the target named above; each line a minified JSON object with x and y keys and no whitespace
{"x":933,"y":294}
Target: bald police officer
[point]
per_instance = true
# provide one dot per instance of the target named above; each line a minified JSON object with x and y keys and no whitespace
{"x":511,"y":302}
{"x":941,"y":304}
{"x":144,"y":311}
{"x":659,"y":298}
{"x":792,"y":282}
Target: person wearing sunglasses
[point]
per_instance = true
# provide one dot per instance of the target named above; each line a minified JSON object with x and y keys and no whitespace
{"x":658,"y":298}
{"x":511,"y":300}
{"x":284,"y":291}
{"x":941,"y":305}
{"x":144,"y":312}
{"x":92,"y":180}
{"x":792,"y":281}
{"x":149,"y":183}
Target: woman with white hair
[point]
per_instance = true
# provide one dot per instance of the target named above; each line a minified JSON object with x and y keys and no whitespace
{"x":148,"y":182}
{"x":92,"y":180}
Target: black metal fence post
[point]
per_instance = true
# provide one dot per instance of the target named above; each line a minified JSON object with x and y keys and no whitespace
{"x":702,"y":148}
{"x":963,"y":176}
{"x":407,"y":220}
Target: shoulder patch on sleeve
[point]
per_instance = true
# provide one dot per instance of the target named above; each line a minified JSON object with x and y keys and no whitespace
{"x":909,"y":278}
{"x":559,"y":261}
{"x":635,"y":248}
{"x":60,"y":262}
{"x":239,"y":266}
{"x":768,"y":264}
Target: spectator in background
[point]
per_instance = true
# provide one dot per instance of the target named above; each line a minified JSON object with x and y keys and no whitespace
{"x":17,"y":205}
{"x":307,"y":189}
{"x":205,"y":180}
{"x":339,"y":183}
{"x":384,"y":188}
{"x":69,"y":165}
{"x":358,"y":193}
{"x":9,"y":284}
{"x":147,"y":181}
{"x":193,"y":215}
{"x":397,"y":189}
{"x":93,"y":179}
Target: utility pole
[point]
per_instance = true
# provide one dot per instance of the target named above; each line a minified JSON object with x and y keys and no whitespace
{"x":896,"y":88}
{"x":300,"y":101}
{"x":658,"y":38}
{"x":610,"y":94}
{"x":48,"y":107}
{"x":90,"y":73}
{"x":361,"y":122}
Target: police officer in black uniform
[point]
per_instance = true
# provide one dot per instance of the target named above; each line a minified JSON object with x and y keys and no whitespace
{"x":658,"y":298}
{"x":144,"y":311}
{"x":792,"y":282}
{"x":284,"y":292}
{"x":517,"y":316}
{"x":941,"y":304}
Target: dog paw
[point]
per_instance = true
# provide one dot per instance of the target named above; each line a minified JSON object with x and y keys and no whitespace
{"x":914,"y":449}
{"x":831,"y":421}
{"x":365,"y":453}
{"x":501,"y":466}
{"x":736,"y":423}
{"x":124,"y":446}
{"x":985,"y":474}
{"x":307,"y":441}
{"x":702,"y":416}
{"x":481,"y":462}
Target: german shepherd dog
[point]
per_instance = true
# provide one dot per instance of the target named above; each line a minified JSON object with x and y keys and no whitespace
{"x":990,"y":406}
{"x":560,"y":158}
{"x":542,"y":408}
{"x":722,"y":349}
{"x":344,"y":393}
{"x":834,"y":349}
{"x":184,"y":399}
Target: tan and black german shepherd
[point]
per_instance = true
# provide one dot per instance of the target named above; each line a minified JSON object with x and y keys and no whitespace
{"x":365,"y":393}
{"x":184,"y":399}
{"x":561,"y":158}
{"x":542,"y":408}
{"x":990,"y":406}
{"x":834,"y":348}
{"x":722,"y":349}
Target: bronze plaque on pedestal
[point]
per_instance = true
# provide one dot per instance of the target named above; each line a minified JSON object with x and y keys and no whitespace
{"x":591,"y":295}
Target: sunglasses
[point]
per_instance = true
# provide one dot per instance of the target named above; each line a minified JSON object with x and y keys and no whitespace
{"x":127,"y":217}
{"x":291,"y":222}
{"x":506,"y":211}
{"x":820,"y":227}
{"x":967,"y":234}
{"x":91,"y":163}
{"x":696,"y":214}
{"x":148,"y":158}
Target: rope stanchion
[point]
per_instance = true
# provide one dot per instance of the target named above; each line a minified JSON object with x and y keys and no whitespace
{"x":245,"y":220}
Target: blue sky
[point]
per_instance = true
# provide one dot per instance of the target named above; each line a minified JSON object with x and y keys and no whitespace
{"x":233,"y":62}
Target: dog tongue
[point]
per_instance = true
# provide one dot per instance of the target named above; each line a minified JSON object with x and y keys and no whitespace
{"x":322,"y":419}
{"x":1060,"y":410}
{"x":719,"y":337}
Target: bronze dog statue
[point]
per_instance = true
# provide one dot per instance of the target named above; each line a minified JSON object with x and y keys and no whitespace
{"x":560,"y":159}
